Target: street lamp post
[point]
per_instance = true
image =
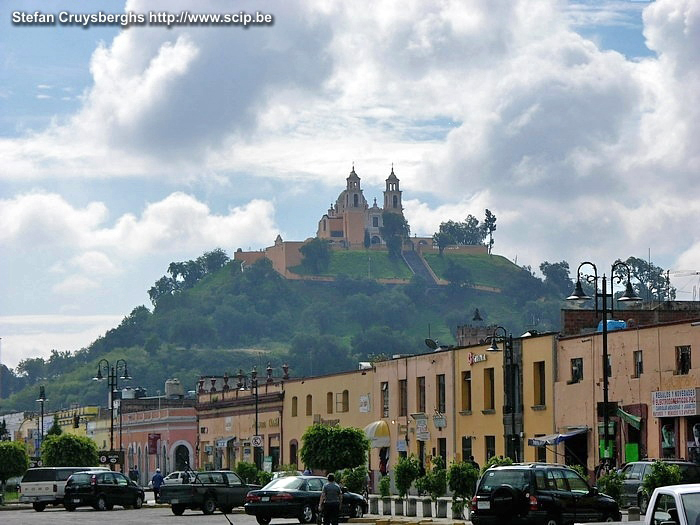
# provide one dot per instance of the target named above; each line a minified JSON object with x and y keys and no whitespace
{"x":112,"y":384}
{"x":41,"y":400}
{"x":244,"y":384}
{"x":628,"y":296}
{"x":510,"y":368}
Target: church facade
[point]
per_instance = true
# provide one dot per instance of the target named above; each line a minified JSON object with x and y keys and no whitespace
{"x":351,"y":222}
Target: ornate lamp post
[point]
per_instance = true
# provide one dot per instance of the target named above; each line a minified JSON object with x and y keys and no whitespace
{"x":510,"y":368}
{"x":112,"y":384}
{"x":628,"y":296}
{"x":250,"y":381}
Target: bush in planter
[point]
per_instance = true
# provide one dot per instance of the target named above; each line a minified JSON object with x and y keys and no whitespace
{"x":407,"y":470}
{"x":385,"y":487}
{"x":436,"y":479}
{"x":355,"y":479}
{"x":421,"y":485}
{"x":462,"y":478}
{"x":495,"y":461}
{"x":264,"y":477}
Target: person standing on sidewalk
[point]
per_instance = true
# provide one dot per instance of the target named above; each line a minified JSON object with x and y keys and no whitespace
{"x":331,"y":500}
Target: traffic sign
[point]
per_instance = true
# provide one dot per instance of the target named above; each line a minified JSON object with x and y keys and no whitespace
{"x":256,"y":441}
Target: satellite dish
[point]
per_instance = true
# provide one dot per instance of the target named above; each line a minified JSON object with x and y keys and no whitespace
{"x":431,"y":344}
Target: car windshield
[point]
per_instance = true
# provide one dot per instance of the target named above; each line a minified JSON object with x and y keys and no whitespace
{"x":691,"y":503}
{"x":494,"y":478}
{"x":287,"y":482}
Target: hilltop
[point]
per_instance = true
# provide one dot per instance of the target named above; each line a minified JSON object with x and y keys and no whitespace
{"x":228,"y":318}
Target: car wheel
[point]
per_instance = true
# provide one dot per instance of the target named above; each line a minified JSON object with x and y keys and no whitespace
{"x":69,"y":507}
{"x":307,"y":514}
{"x":357,"y":511}
{"x":552,"y":520}
{"x":138,"y":502}
{"x":101,"y":503}
{"x":263,"y":520}
{"x":609,"y":518}
{"x":178,"y":510}
{"x":643,"y":501}
{"x":208,"y":505}
{"x":39,"y":506}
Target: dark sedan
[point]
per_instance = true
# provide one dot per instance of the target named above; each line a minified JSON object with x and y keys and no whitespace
{"x":297,"y":497}
{"x":102,"y":490}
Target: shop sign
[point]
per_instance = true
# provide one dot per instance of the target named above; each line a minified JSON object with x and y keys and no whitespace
{"x":440,"y":421}
{"x":475,"y":358}
{"x":422,"y":433}
{"x":675,"y":403}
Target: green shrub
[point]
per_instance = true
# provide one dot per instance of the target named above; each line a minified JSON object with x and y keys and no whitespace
{"x":407,"y":470}
{"x":264,"y":477}
{"x":581,"y":470}
{"x":661,"y":474}
{"x":495,"y":461}
{"x":247,"y":471}
{"x":385,"y":487}
{"x":462,"y":478}
{"x":436,"y":479}
{"x":611,"y":484}
{"x":355,"y":479}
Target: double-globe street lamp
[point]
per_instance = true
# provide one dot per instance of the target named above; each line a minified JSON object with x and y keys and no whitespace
{"x":629,"y":295}
{"x":112,"y":384}
{"x":510,"y":368}
{"x":250,"y":381}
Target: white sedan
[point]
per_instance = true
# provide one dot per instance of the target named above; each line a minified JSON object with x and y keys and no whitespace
{"x":179,"y":476}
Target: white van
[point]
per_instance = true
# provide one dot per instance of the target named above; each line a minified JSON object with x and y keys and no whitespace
{"x":42,"y":486}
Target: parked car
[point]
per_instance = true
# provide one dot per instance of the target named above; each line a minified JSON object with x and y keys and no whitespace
{"x":179,"y":476}
{"x":102,"y":490}
{"x":635,"y":472}
{"x":283,"y":473}
{"x":43,"y":486}
{"x":297,"y":497}
{"x":222,"y":489}
{"x":539,"y":493}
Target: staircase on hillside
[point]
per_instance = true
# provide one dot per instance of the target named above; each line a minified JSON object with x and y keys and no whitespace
{"x":418,"y":266}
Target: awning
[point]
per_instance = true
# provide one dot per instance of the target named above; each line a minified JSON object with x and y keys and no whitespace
{"x":378,"y":434}
{"x":633,"y":420}
{"x":223,"y":442}
{"x":555,"y":439}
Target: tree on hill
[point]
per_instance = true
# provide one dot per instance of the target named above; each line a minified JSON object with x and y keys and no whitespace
{"x":317,"y":255}
{"x":442,"y":240}
{"x":556,"y":276}
{"x":333,"y":448}
{"x":394,"y":230}
{"x":69,"y":449}
{"x":489,"y":226}
{"x":648,"y":280}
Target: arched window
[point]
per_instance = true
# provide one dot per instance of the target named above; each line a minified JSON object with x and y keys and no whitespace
{"x":294,"y":406}
{"x":329,"y":402}
{"x":396,"y":201}
{"x":309,"y":409}
{"x":346,"y":401}
{"x":356,"y":200}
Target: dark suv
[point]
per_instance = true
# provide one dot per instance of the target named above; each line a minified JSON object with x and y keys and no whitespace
{"x":635,"y":472}
{"x":102,"y":490}
{"x":539,"y":493}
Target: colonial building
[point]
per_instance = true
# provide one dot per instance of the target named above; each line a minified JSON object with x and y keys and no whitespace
{"x":653,"y":384}
{"x":351,"y":222}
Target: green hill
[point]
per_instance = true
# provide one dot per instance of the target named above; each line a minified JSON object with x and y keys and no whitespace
{"x":219,"y":318}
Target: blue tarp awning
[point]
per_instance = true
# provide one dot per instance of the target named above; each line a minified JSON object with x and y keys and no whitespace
{"x":555,"y":439}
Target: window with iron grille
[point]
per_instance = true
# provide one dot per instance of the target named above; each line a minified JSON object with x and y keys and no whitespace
{"x":638,"y":363}
{"x":682,"y":360}
{"x":576,"y":369}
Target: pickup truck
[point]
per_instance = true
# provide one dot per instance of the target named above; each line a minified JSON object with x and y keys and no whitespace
{"x":673,"y":505}
{"x":207,"y":491}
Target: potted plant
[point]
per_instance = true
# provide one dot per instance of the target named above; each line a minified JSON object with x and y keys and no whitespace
{"x":385,"y":493}
{"x":462,"y":478}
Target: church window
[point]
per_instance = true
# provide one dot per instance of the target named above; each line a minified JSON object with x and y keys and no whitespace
{"x":375,"y":222}
{"x":356,"y":200}
{"x":396,"y":201}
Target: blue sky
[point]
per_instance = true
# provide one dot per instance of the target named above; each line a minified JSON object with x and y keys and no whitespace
{"x":125,"y":150}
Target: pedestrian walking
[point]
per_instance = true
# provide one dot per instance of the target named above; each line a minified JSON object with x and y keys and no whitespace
{"x":157,"y":482}
{"x":331,"y":500}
